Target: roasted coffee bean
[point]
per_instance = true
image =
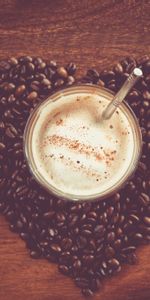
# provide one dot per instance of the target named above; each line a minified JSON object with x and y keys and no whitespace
{"x":118,"y":69}
{"x":48,"y":215}
{"x":58,"y":83}
{"x":93,"y":74}
{"x":77,"y":265}
{"x":11,"y":132}
{"x":55,"y":248}
{"x":20,"y":90}
{"x":146,"y":220}
{"x":2,"y":147}
{"x":9,"y":87}
{"x":138,"y":237}
{"x":4,"y":66}
{"x":128,"y":250}
{"x":81,"y":242}
{"x":81,"y":282}
{"x":95,"y":284}
{"x":131,"y":258}
{"x":88,"y":259}
{"x":114,"y":263}
{"x":70,"y":80}
{"x":32,"y":96}
{"x":64,"y":269}
{"x":62,"y":72}
{"x":13,"y":61}
{"x":109,"y":252}
{"x":146,"y":67}
{"x":111,"y":237}
{"x":65,"y":258}
{"x":66,"y":243}
{"x":107,"y":75}
{"x":99,"y":230}
{"x":34,"y":254}
{"x":71,"y":68}
{"x":46,"y":82}
{"x":87,"y":292}
{"x":35,"y":85}
{"x":2,"y":126}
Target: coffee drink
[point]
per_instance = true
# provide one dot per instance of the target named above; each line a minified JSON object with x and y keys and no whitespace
{"x":76,"y":152}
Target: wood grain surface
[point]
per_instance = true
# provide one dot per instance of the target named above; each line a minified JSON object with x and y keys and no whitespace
{"x":90,"y":33}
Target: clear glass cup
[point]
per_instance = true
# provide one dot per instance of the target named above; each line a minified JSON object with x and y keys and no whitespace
{"x":89,"y":89}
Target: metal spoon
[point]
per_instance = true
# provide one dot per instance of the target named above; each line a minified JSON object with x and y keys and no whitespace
{"x":119,"y":97}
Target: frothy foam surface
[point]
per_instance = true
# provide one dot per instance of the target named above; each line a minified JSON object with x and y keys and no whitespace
{"x":75,"y":152}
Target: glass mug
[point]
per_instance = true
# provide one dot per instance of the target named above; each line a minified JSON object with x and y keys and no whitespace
{"x":72,"y":153}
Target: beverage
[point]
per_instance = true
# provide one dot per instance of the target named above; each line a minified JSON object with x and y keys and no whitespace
{"x":76,"y":155}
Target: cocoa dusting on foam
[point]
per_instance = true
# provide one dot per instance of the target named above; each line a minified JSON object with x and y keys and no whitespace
{"x":100,"y":154}
{"x":76,"y":165}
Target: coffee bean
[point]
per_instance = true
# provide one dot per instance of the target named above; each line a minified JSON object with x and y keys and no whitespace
{"x":131,"y":258}
{"x":48,"y":215}
{"x":77,"y":264}
{"x":20,"y":90}
{"x":114,"y":263}
{"x":11,"y":132}
{"x":99,"y":230}
{"x":147,"y":220}
{"x":34,"y":254}
{"x":62,"y":72}
{"x":128,"y":250}
{"x":111,"y":237}
{"x":146,"y":67}
{"x":95,"y":284}
{"x":2,"y":126}
{"x":55,"y":248}
{"x":88,"y":259}
{"x":70,"y":80}
{"x":138,"y":237}
{"x":9,"y":87}
{"x":81,"y":242}
{"x":107,"y":75}
{"x":52,"y":64}
{"x":2,"y":147}
{"x":35,"y":85}
{"x":46,"y":82}
{"x":118,"y":69}
{"x":73,"y":219}
{"x":142,"y":60}
{"x":66,"y":244}
{"x":87,"y":292}
{"x":71,"y":68}
{"x":4,"y":66}
{"x":64,"y":269}
{"x":13,"y":61}
{"x":81,"y":282}
{"x":58,"y":83}
{"x":32,"y":96}
{"x":92,"y":73}
{"x":65,"y":258}
{"x":109,"y":252}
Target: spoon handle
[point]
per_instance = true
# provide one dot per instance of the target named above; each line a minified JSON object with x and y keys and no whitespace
{"x":119,"y":97}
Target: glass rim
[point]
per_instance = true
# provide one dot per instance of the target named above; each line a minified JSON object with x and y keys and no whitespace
{"x":27,"y":136}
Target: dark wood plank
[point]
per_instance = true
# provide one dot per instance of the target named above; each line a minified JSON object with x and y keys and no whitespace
{"x":91,"y":33}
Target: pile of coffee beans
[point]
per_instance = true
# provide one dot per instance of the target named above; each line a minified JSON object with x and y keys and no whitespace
{"x":89,"y":241}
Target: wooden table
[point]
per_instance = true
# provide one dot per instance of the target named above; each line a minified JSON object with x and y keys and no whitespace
{"x":90,"y":33}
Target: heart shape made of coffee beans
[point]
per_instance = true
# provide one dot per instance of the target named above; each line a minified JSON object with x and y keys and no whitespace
{"x":89,"y":241}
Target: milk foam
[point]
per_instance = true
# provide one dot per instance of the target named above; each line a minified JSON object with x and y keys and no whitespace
{"x":75,"y":152}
